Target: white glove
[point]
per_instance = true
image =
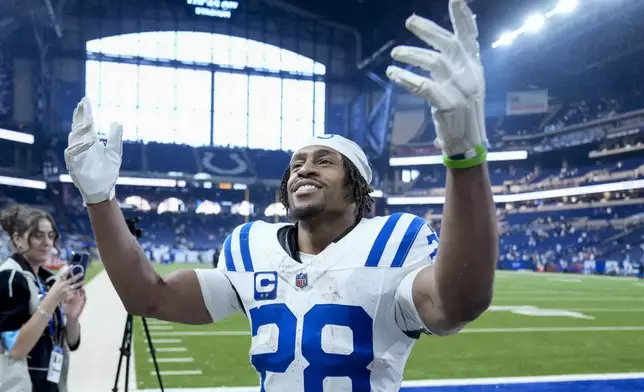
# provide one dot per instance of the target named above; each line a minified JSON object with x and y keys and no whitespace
{"x":93,"y":166}
{"x":456,"y":90}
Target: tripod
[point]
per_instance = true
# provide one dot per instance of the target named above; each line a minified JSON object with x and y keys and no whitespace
{"x":126,"y":351}
{"x":126,"y":346}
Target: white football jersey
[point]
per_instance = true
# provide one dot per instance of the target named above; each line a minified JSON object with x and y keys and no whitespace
{"x":342,"y":320}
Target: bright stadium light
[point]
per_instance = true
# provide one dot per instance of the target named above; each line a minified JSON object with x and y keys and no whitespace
{"x":534,"y":23}
{"x":15,"y":136}
{"x":505,"y":39}
{"x":566,"y":6}
{"x":494,"y":156}
{"x":529,"y":196}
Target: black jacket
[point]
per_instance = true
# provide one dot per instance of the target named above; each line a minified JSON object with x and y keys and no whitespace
{"x":15,"y":312}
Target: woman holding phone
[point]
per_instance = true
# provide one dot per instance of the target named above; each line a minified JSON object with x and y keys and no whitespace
{"x":39,"y":311}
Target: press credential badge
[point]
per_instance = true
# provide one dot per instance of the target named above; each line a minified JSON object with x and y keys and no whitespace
{"x":55,"y":365}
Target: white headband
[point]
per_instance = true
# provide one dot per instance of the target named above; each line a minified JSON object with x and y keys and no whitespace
{"x":346,"y":147}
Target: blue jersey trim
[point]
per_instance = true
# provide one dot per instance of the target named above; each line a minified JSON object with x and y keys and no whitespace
{"x":378,"y":247}
{"x":407,"y":242}
{"x":244,"y":247}
{"x":228,"y":254}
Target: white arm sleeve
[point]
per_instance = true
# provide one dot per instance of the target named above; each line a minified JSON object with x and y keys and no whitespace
{"x":422,"y":254}
{"x":406,"y":314}
{"x":218,"y":293}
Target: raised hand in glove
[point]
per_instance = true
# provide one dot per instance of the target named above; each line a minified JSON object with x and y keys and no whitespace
{"x":456,"y":89}
{"x":93,"y":166}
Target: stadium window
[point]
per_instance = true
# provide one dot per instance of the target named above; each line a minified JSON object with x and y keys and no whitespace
{"x":193,"y":96}
{"x":231,"y":109}
{"x":297,"y":112}
{"x":158,"y":103}
{"x":195,"y":47}
{"x":319,"y":107}
{"x":264,"y":112}
{"x":229,"y":51}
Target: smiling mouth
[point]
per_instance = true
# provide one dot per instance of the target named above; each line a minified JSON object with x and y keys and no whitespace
{"x":306,"y":189}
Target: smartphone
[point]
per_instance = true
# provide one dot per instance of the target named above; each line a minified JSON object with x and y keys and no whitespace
{"x":79,"y":263}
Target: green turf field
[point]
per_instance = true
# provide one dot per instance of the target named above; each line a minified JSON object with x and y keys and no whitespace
{"x":604,"y":333}
{"x":94,"y":268}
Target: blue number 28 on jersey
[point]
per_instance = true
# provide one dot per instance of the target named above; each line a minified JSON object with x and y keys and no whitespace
{"x":321,"y":363}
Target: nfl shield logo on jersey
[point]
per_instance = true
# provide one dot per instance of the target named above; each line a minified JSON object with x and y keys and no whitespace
{"x":301,"y":280}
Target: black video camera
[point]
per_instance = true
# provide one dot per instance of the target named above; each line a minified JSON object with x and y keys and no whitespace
{"x":131,"y":225}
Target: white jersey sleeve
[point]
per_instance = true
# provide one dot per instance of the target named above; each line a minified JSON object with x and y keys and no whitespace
{"x":219,"y":295}
{"x":422,"y":254}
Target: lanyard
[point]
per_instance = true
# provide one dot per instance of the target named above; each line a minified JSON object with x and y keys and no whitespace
{"x":51,"y":324}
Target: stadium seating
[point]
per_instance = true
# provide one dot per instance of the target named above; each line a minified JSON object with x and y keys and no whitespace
{"x":536,"y":231}
{"x":222,"y":161}
{"x":559,"y":237}
{"x":521,"y":177}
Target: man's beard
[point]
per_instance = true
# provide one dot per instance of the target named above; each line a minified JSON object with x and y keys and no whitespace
{"x":308,"y":212}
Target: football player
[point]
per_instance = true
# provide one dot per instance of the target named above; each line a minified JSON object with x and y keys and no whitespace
{"x":334,"y":301}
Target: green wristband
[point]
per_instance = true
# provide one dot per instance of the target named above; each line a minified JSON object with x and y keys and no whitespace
{"x":479,"y":159}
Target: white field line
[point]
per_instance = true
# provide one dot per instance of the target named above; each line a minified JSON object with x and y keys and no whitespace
{"x":607,"y":310}
{"x":467,"y":330}
{"x":570,"y":299}
{"x":165,"y":341}
{"x":566,"y":280}
{"x":172,"y":360}
{"x":524,"y":380}
{"x":455,"y":382}
{"x":159,"y":327}
{"x":169,"y":349}
{"x":177,"y":373}
{"x":511,"y":274}
{"x":155,"y":321}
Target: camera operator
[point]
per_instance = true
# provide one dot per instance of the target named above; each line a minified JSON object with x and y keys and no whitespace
{"x":39,"y":311}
